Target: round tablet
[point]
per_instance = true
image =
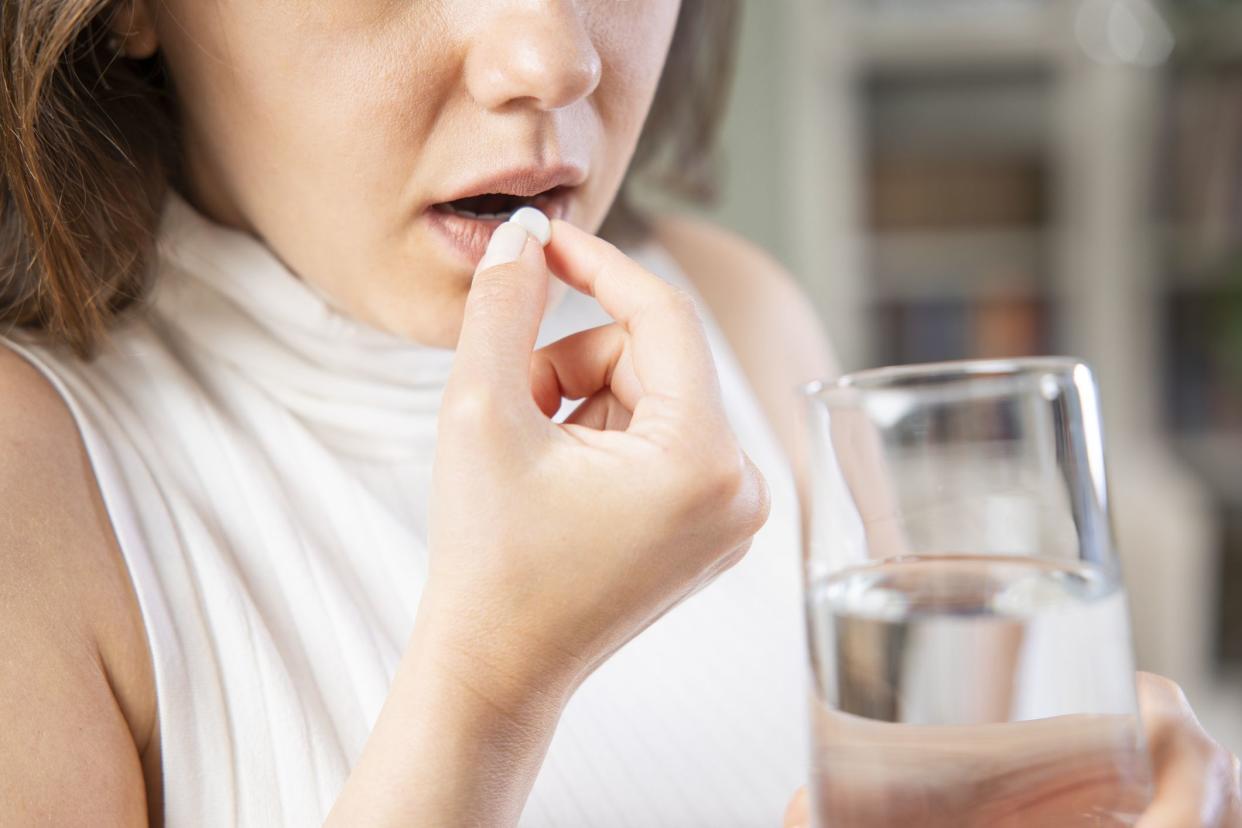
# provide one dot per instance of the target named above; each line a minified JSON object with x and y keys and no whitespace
{"x":535,"y":222}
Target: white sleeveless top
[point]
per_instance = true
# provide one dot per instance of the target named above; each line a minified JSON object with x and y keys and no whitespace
{"x":265,"y":462}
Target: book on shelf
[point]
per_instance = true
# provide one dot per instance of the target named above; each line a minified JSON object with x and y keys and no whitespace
{"x":927,"y":192}
{"x":1204,"y":361}
{"x":1201,"y":171}
{"x":942,"y":329}
{"x":1202,"y":199}
{"x":1203,"y":167}
{"x":958,"y":253}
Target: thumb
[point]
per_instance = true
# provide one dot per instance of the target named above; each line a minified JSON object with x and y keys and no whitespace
{"x":503,"y":311}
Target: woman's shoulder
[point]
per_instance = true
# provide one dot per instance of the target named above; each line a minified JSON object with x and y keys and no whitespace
{"x":66,"y":590}
{"x":736,"y":264}
{"x":46,"y":486}
{"x":760,"y":308}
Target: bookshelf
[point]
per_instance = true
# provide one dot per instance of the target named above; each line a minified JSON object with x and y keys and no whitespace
{"x":957,"y":207}
{"x":1208,"y":30}
{"x":1202,"y":287}
{"x":983,"y":178}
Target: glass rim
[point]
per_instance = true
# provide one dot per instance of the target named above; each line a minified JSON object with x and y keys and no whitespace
{"x":889,"y":377}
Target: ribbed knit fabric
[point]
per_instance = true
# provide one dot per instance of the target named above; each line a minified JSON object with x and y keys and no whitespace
{"x":266,"y":461}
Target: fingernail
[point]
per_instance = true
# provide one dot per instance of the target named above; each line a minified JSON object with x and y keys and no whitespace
{"x":505,"y":247}
{"x":535,"y":222}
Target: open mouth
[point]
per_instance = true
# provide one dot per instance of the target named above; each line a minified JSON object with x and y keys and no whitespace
{"x":500,"y":206}
{"x":468,"y":221}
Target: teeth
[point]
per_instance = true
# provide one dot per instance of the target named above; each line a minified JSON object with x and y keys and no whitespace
{"x":542,"y":201}
{"x":479,"y":216}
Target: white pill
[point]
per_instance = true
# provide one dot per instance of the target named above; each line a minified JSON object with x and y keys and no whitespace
{"x":535,"y":222}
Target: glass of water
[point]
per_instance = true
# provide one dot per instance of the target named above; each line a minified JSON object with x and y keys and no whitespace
{"x":968,"y":626}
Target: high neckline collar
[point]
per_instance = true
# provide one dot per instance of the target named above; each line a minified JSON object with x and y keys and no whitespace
{"x":235,"y":304}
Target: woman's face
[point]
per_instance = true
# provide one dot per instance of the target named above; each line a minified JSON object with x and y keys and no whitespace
{"x":346,"y":133}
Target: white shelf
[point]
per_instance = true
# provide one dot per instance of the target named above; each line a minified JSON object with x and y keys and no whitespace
{"x":960,"y":264}
{"x":945,"y":34}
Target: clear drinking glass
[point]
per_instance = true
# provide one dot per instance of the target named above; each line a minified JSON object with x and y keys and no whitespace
{"x":969,"y":631}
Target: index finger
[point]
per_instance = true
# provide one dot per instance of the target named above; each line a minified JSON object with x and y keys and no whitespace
{"x":502,"y":314}
{"x":671,"y":354}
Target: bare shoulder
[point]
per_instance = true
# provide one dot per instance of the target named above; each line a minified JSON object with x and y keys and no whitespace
{"x":76,"y":692}
{"x":762,"y":311}
{"x":47,"y":490}
{"x":721,"y":263}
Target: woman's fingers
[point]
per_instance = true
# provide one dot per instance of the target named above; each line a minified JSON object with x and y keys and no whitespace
{"x":582,"y":364}
{"x":669,"y":350}
{"x":657,"y":348}
{"x":602,"y":411}
{"x":1196,"y":779}
{"x":502,"y":316}
{"x":1197,"y":782}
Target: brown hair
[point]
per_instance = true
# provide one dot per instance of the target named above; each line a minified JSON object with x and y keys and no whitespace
{"x":88,"y":147}
{"x":677,"y":150}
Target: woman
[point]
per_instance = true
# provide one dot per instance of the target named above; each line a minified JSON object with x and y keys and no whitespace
{"x":239,"y":588}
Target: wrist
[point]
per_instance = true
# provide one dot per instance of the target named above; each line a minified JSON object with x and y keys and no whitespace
{"x":494,"y":662}
{"x":459,"y":740}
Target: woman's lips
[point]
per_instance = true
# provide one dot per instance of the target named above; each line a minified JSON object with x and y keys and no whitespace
{"x":467,"y":237}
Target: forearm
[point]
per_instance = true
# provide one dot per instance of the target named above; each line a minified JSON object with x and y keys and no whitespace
{"x":453,"y":745}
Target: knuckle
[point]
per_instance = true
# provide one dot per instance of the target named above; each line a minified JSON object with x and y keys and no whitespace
{"x":723,"y":478}
{"x":679,"y":301}
{"x":467,"y":407}
{"x":498,"y":283}
{"x":730,"y":484}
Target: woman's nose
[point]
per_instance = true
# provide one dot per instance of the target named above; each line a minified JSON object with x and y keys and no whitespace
{"x":538,"y":51}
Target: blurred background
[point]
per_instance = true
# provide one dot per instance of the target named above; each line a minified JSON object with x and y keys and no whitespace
{"x":987,"y":178}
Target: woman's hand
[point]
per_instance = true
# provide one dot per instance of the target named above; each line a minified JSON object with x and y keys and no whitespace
{"x":553,"y":545}
{"x":1197,"y":781}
